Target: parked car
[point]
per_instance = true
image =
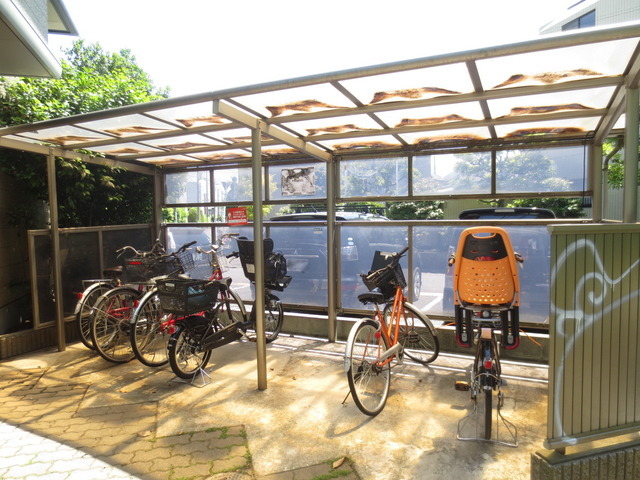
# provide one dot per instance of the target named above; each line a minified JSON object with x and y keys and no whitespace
{"x":305,"y":248}
{"x":532,"y":242}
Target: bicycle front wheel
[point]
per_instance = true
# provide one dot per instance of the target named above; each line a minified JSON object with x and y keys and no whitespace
{"x":273,"y":319}
{"x":416,"y":336}
{"x":488,"y":401}
{"x":110,"y":325}
{"x":150,"y":331}
{"x":231,"y":309}
{"x":369,"y":380}
{"x":185,"y":358}
{"x":84,"y":310}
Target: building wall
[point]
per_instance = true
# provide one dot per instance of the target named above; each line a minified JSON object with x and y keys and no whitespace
{"x":607,"y":12}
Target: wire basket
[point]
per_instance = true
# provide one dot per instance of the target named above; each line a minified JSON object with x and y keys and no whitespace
{"x":141,"y":269}
{"x":386,"y":280}
{"x":184,"y":297}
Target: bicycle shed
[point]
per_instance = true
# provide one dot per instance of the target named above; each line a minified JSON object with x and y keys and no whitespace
{"x":565,"y":90}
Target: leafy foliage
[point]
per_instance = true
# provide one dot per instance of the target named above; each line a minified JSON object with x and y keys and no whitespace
{"x":562,"y":207}
{"x":91,"y":80}
{"x":415,"y":210}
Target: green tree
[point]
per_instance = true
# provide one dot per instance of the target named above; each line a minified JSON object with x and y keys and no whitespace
{"x":91,"y":80}
{"x":427,"y":210}
{"x":615,"y":166}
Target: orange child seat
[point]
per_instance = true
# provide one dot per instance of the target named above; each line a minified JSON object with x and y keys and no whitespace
{"x":486,"y":280}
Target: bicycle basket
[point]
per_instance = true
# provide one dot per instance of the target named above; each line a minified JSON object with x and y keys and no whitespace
{"x":384,"y":279}
{"x":183,"y":297}
{"x":141,"y":269}
{"x":186,"y":260}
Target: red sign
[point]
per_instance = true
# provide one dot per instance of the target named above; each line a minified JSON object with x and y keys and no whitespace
{"x":237,"y":216}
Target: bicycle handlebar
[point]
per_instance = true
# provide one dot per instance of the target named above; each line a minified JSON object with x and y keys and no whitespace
{"x":216,"y":247}
{"x":396,"y":259}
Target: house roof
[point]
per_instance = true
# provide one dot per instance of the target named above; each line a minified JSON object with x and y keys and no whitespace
{"x":557,"y":88}
{"x":23,"y":47}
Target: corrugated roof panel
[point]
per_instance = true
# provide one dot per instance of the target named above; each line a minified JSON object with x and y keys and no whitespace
{"x":433,"y":137}
{"x":321,"y":126}
{"x":432,"y":115}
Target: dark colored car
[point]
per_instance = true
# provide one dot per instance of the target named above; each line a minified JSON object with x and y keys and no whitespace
{"x":532,"y":242}
{"x":305,"y":248}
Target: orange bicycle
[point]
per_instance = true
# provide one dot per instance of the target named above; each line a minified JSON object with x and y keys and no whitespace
{"x":395,"y":329}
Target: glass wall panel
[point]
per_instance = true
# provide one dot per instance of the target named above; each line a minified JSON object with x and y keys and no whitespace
{"x":380,"y":177}
{"x":301,"y":181}
{"x":188,"y":187}
{"x":545,"y":170}
{"x":193,"y":214}
{"x":461,"y":173}
{"x":178,"y":236}
{"x":305,"y":248}
{"x":358,"y":245}
{"x":434,"y":245}
{"x":233,"y":185}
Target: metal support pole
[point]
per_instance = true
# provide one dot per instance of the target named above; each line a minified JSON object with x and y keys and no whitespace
{"x":158,"y":199}
{"x":258,"y":253}
{"x":55,"y":251}
{"x":332,"y":251}
{"x":630,"y":203}
{"x":595,"y":166}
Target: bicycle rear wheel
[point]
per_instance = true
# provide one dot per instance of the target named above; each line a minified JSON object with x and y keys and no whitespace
{"x":84,"y":309}
{"x":416,"y":336}
{"x":488,"y":401}
{"x":368,"y":380}
{"x":185,"y":358}
{"x":273,"y":318}
{"x":231,"y":308}
{"x":150,"y":332}
{"x":110,"y":325}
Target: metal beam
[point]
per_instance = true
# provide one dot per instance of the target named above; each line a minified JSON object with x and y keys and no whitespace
{"x":70,"y":154}
{"x":236,"y":115}
{"x":630,"y":195}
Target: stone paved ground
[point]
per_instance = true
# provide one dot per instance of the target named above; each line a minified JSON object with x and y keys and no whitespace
{"x":44,"y":434}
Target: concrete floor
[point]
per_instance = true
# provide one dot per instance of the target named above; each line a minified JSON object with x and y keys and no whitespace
{"x":300,"y":420}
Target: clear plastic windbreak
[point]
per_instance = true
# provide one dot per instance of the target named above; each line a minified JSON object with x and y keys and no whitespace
{"x":188,"y":187}
{"x":233,"y":185}
{"x":541,"y":170}
{"x":380,"y":177}
{"x":452,"y":174}
{"x":432,"y":246}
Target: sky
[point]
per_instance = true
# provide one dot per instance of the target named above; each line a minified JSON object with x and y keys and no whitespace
{"x":196,"y":46}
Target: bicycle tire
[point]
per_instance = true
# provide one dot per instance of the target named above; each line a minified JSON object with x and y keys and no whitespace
{"x":148,"y":334}
{"x":184,"y":358}
{"x":417,"y":337}
{"x":368,"y":382}
{"x":273,"y":319}
{"x":488,"y":400}
{"x":84,"y":310}
{"x":110,"y":324}
{"x":231,"y":308}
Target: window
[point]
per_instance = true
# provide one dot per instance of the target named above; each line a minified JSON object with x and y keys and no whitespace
{"x":585,"y":21}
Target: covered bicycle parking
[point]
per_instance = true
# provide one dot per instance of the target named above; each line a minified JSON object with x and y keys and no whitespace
{"x":308,"y":141}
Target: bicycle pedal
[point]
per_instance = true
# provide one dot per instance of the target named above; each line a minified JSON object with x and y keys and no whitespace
{"x":463,"y":386}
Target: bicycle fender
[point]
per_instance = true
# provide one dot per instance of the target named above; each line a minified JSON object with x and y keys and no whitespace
{"x":88,"y":290}
{"x":352,"y":334}
{"x":424,"y":317}
{"x":142,"y":302}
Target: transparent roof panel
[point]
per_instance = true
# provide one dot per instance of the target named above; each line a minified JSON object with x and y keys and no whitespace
{"x":128,"y":125}
{"x":552,"y":127}
{"x":411,"y":84}
{"x":173,"y":160}
{"x":455,"y":134}
{"x":571,"y":100}
{"x":182,"y":142}
{"x":188,"y":116}
{"x":66,"y":135}
{"x":348,"y":123}
{"x":554,"y":66}
{"x":432,"y":115}
{"x":223,"y":155}
{"x":361,"y":143}
{"x":296,"y":100}
{"x":125,"y":149}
